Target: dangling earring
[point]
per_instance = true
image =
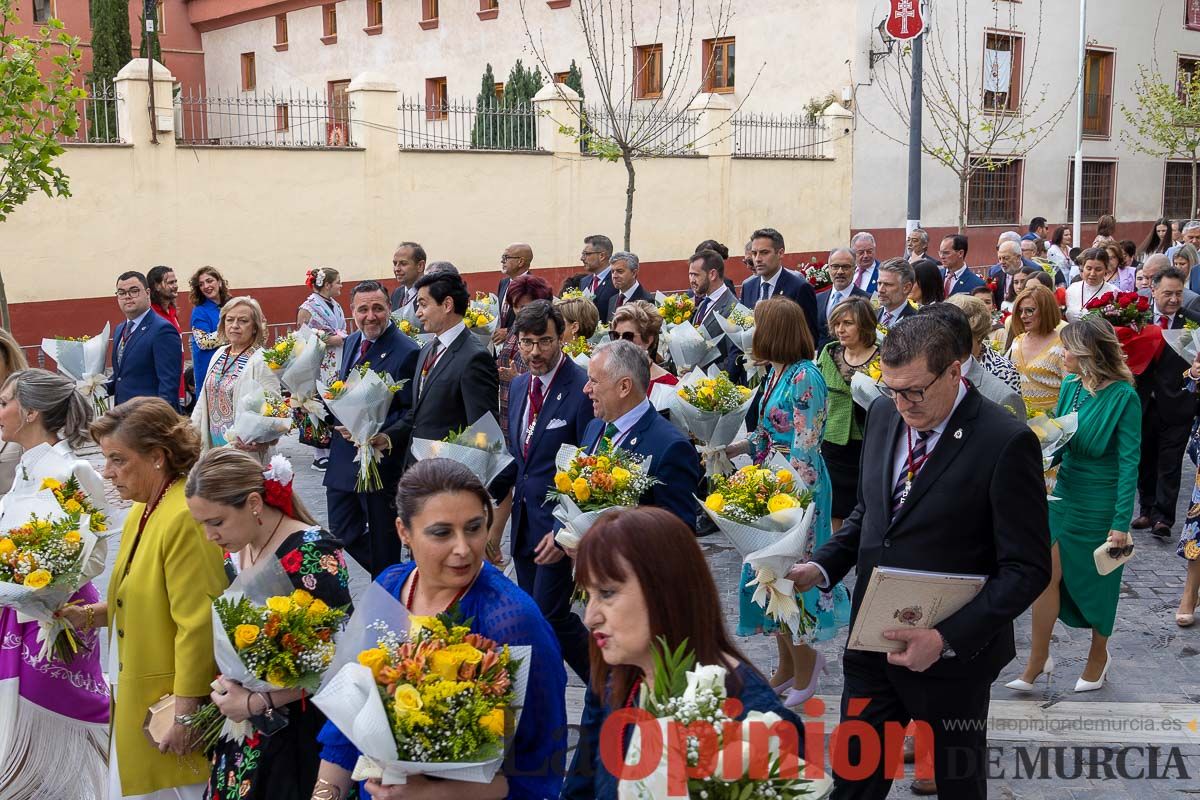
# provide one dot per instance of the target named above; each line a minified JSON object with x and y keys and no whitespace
{"x":258,"y":519}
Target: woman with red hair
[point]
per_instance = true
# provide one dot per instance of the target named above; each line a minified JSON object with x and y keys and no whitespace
{"x":642,"y":588}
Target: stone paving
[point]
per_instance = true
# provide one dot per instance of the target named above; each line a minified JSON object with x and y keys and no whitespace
{"x":1154,"y":662}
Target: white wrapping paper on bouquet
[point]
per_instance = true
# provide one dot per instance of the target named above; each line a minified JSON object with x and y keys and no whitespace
{"x":690,"y":347}
{"x":361,"y":409}
{"x":1053,"y":434}
{"x":350,"y":699}
{"x":739,"y":337}
{"x":83,"y":362}
{"x":864,"y":389}
{"x":1184,"y":342}
{"x":582,"y":360}
{"x":599,"y":336}
{"x":251,"y":426}
{"x":40,"y":604}
{"x":302,"y":371}
{"x":575,"y":520}
{"x":774,"y":591}
{"x":486,"y":457}
{"x":492,"y":306}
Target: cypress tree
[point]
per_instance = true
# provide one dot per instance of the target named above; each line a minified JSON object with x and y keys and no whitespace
{"x":522,"y":85}
{"x":111,"y":49}
{"x":485,"y":134}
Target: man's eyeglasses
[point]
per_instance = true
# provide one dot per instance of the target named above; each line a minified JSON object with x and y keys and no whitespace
{"x":508,"y":258}
{"x":587,"y":253}
{"x":628,"y":336}
{"x":1120,"y":552}
{"x":134,"y":292}
{"x":910,"y":395}
{"x":544,"y":343}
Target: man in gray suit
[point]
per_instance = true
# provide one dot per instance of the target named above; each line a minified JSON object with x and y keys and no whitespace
{"x":1191,"y":301}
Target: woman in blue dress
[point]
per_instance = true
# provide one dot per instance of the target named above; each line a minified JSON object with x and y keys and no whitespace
{"x":444,"y":514}
{"x":791,"y":422}
{"x":640,"y":589}
{"x":209,"y":293}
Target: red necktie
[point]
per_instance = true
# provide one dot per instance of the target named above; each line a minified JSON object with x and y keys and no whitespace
{"x":1163,"y":322}
{"x":537,"y":395}
{"x":949,"y":282}
{"x":622,"y":301}
{"x":362,"y":350}
{"x":595,"y":283}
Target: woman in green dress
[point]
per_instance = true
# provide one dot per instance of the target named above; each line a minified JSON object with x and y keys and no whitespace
{"x":1093,"y":501}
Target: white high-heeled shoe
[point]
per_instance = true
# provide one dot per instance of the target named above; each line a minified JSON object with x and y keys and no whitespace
{"x":1090,"y":686}
{"x":797,"y":697}
{"x":1027,"y":686}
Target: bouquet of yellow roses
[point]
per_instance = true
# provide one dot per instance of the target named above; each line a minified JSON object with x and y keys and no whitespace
{"x":586,"y":485}
{"x":767,"y":514}
{"x":481,"y":315}
{"x":361,"y":404}
{"x":480,"y":448}
{"x":412,"y":329}
{"x":422,"y":695}
{"x":1053,"y":433}
{"x":864,"y":386}
{"x":278,"y":354}
{"x":260,"y":417}
{"x":675,"y":309}
{"x":713,"y":409}
{"x":81,"y":358}
{"x":47,"y":558}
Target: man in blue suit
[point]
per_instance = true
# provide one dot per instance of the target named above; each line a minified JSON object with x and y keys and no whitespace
{"x":959,"y":279}
{"x":365,"y":522}
{"x":597,"y":250}
{"x":147,"y":355}
{"x":618,"y":376}
{"x":547,"y":409}
{"x":866,"y":272}
{"x":770,"y":278}
{"x":841,"y":270}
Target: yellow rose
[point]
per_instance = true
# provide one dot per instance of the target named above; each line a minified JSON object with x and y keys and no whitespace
{"x":7,"y":546}
{"x":662,"y":312}
{"x":602,"y":463}
{"x":277,"y":677}
{"x":406,"y":700}
{"x":50,"y":483}
{"x":784,"y":476}
{"x":581,"y":489}
{"x":446,"y":662}
{"x":73,"y":506}
{"x":244,"y":636}
{"x":280,"y":605}
{"x":493,"y":721}
{"x":781,"y":502}
{"x":337,"y":386}
{"x":678,"y":320}
{"x":37,"y":579}
{"x":748,"y":469}
{"x":706,"y":391}
{"x":72,"y":537}
{"x":481,"y":441}
{"x":682,"y":393}
{"x":281,"y":347}
{"x":562,"y":482}
{"x":317,"y":607}
{"x":744,"y":391}
{"x":302,"y":598}
{"x":416,"y":623}
{"x":620,"y":475}
{"x":374,"y":659}
{"x":469,"y":321}
{"x":266,"y":410}
{"x":715,"y":503}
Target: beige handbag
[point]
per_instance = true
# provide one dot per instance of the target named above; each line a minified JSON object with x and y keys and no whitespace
{"x":1108,"y":556}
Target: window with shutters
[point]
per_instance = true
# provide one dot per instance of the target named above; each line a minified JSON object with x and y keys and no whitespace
{"x":718,"y":64}
{"x":1191,"y":13}
{"x":1097,"y":93}
{"x":374,"y":16}
{"x":647,"y":64}
{"x":249,"y":79}
{"x":281,"y":32}
{"x":329,"y":23}
{"x":1099,"y":183}
{"x":436,"y":99}
{"x":1002,"y":54}
{"x":994,"y":192}
{"x":1177,"y":190}
{"x":43,"y":10}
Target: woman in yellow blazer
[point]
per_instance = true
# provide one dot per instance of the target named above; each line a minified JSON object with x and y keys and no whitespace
{"x":159,"y":600}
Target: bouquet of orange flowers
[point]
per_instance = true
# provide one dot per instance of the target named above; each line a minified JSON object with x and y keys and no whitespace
{"x":586,"y":485}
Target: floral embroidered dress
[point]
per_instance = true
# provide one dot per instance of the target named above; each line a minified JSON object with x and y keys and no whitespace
{"x":284,"y":765}
{"x":219,"y":390}
{"x":791,"y":421}
{"x":1041,"y":375}
{"x":327,"y":318}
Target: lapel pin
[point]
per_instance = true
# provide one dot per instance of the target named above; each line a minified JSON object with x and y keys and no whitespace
{"x":632,"y":442}
{"x":958,"y":434}
{"x":558,"y":397}
{"x":384,"y":355}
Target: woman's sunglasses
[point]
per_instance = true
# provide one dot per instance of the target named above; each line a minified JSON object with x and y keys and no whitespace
{"x":1119,"y":552}
{"x":627,"y":336}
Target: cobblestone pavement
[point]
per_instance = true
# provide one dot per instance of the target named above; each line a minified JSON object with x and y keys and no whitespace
{"x":1152,"y":693}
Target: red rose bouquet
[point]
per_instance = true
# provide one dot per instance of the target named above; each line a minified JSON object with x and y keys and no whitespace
{"x":1129,"y":312}
{"x":818,"y":276}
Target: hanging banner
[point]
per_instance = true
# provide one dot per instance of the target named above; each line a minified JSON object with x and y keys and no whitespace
{"x":904,"y":19}
{"x":997,"y":70}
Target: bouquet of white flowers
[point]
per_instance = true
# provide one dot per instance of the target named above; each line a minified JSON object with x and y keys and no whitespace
{"x":261,"y":417}
{"x":361,"y":403}
{"x":690,"y":347}
{"x":82,"y":360}
{"x":301,"y":371}
{"x":480,"y":448}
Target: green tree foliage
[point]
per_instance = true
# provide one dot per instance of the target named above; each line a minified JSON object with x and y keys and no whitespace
{"x":575,"y":79}
{"x":484,"y":134}
{"x":1165,"y":122}
{"x":521,"y":124}
{"x":111,"y":49}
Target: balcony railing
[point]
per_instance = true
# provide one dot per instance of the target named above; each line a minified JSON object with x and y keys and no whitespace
{"x":298,"y":118}
{"x":777,"y":136}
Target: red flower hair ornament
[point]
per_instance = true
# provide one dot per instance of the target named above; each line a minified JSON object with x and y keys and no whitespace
{"x":277,"y":481}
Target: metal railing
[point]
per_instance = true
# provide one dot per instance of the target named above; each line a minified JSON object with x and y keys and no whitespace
{"x":97,"y":111}
{"x":655,"y":132}
{"x":296,"y":118}
{"x":777,"y":136}
{"x":466,"y":125}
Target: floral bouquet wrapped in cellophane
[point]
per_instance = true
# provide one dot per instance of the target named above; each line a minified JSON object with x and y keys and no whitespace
{"x":480,"y":448}
{"x":767,"y":513}
{"x":675,"y":309}
{"x":690,"y":347}
{"x":482,"y":314}
{"x":267,"y":636}
{"x":361,"y":403}
{"x":738,"y":327}
{"x":49,"y":556}
{"x":261,"y":417}
{"x":1053,"y":434}
{"x":712,"y":409}
{"x":300,"y":371}
{"x":586,"y":485}
{"x":82,"y":360}
{"x":864,"y":386}
{"x":407,"y":323}
{"x":422,"y":695}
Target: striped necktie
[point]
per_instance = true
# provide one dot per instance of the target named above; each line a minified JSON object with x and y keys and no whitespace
{"x":916,"y":459}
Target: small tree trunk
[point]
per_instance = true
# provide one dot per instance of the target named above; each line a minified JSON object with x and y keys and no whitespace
{"x":962,"y":202}
{"x":5,"y":322}
{"x":1192,"y":211}
{"x":629,"y":188}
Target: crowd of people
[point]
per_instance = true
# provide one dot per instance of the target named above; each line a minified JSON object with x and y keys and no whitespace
{"x":940,"y":473}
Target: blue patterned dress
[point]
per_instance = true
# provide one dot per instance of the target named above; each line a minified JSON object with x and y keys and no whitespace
{"x":791,"y":421}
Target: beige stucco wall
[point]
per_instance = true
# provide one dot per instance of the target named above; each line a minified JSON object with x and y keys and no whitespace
{"x":264,"y":216}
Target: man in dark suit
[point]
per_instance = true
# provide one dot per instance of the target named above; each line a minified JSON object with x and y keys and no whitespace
{"x":618,"y":376}
{"x":623,"y":269}
{"x":1168,"y":409}
{"x":1008,"y":253}
{"x":866,"y":265}
{"x":515,"y":261}
{"x":896,"y":279}
{"x":706,"y":277}
{"x":938,"y":497}
{"x":959,"y":279}
{"x":147,"y":355}
{"x":366,"y":521}
{"x":841,"y":271}
{"x":552,"y":410}
{"x":454,"y":380}
{"x":1155,"y":263}
{"x":408,"y":265}
{"x":597,"y":249}
{"x":770,"y":278}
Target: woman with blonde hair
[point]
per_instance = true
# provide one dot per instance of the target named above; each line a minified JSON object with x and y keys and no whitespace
{"x":12,"y":358}
{"x":1094,"y":494}
{"x":1036,"y":351}
{"x":580,"y":317}
{"x":237,"y":369}
{"x":640,"y":323}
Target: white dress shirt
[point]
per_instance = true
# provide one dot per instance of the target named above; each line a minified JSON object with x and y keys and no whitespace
{"x":1079,"y":294}
{"x":626,"y":421}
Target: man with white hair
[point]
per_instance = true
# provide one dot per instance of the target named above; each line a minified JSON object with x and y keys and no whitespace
{"x":1156,"y":263}
{"x":1008,"y":253}
{"x":1191,"y":235}
{"x":866,"y":265}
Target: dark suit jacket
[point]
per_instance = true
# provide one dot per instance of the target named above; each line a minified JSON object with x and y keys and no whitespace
{"x":639,"y":293}
{"x":712,"y":327}
{"x":392,"y":353}
{"x":603,"y":295}
{"x":395,"y":298}
{"x":532,"y":478}
{"x":960,"y":517}
{"x":824,"y":337}
{"x":461,"y":388}
{"x":151,"y":363}
{"x":966,"y":282}
{"x":502,"y":290}
{"x":790,"y":286}
{"x":673,"y":461}
{"x":905,"y":312}
{"x":1163,"y":389}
